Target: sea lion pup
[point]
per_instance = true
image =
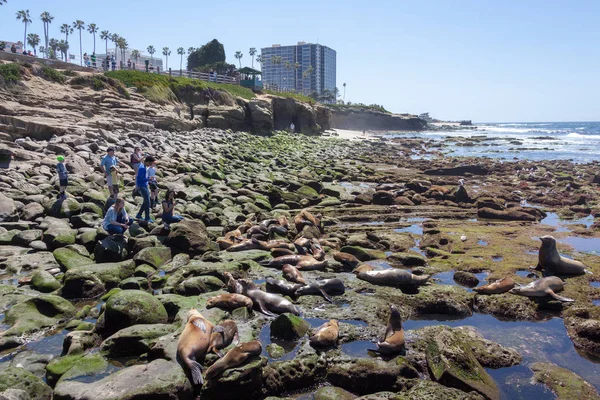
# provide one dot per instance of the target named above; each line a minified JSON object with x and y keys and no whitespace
{"x":323,"y":287}
{"x":543,"y":287}
{"x":392,"y":341}
{"x":497,"y":287}
{"x":551,"y":261}
{"x":282,"y":287}
{"x":393,"y":277}
{"x":326,"y":335}
{"x":347,"y":259}
{"x":233,"y":285}
{"x":222,"y":336}
{"x":193,"y":343}
{"x":234,"y":357}
{"x":292,"y":274}
{"x":229,"y":301}
{"x":269,"y":304}
{"x":363,"y":268}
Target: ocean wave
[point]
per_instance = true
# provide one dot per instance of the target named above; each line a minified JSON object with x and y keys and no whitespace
{"x":515,"y":130}
{"x":575,"y":135}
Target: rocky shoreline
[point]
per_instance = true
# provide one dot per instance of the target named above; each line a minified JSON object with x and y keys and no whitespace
{"x":86,"y":315}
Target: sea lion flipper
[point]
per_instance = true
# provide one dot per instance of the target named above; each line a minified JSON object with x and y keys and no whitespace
{"x":551,"y":293}
{"x":200,"y":324}
{"x":587,"y":271}
{"x":263,"y":310}
{"x":326,"y":296}
{"x":219,"y":353}
{"x":196,"y":370}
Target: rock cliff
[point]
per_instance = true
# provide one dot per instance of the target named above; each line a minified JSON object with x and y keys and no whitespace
{"x":363,"y":119}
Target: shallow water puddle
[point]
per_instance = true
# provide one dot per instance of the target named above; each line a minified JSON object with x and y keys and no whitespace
{"x":526,"y":274}
{"x":497,"y":258}
{"x":360,"y":349}
{"x":583,"y":245}
{"x":415,"y":229}
{"x":380,"y":264}
{"x":447,"y":278}
{"x":52,"y":344}
{"x":595,"y":284}
{"x":560,"y":224}
{"x":482,"y":242}
{"x":545,"y":341}
{"x":596,"y":302}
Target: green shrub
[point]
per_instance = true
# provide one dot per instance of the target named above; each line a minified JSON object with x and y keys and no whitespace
{"x":296,"y":96}
{"x":359,"y":106}
{"x":52,"y":75}
{"x":69,"y":72}
{"x":101,"y":82}
{"x":11,"y":73}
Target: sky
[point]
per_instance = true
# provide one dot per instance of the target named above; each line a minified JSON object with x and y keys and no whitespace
{"x":484,"y":60}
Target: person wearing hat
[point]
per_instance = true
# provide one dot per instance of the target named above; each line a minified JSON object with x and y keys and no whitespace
{"x":108,"y":162}
{"x":63,"y":177}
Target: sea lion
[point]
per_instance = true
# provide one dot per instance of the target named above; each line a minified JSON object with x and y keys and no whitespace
{"x":309,"y":263}
{"x":363,"y":268}
{"x":323,"y":287}
{"x":292,"y":274}
{"x":248,"y":244}
{"x":233,"y":285}
{"x":278,"y":244}
{"x":222,"y":336}
{"x":229,"y":301}
{"x":302,"y":245}
{"x":326,"y":335}
{"x":393,"y":277}
{"x":224,"y":244}
{"x":500,"y":286}
{"x":267,"y":303}
{"x":348,"y":260}
{"x":543,"y":287}
{"x":305,"y":218}
{"x":278,"y":252}
{"x":392,"y":341}
{"x":268,"y":222}
{"x":193,"y":343}
{"x":316,"y":250}
{"x":551,"y":261}
{"x":277,"y":230}
{"x":234,"y":357}
{"x":282,"y":287}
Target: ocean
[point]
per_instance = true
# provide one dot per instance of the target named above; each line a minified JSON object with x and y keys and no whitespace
{"x":576,"y":141}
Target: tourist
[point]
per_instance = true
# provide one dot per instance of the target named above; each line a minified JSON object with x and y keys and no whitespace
{"x":86,"y":60}
{"x":63,"y":177}
{"x":109,"y":161}
{"x":141,"y":182}
{"x":93,"y":60}
{"x":136,"y":159}
{"x":147,"y":62}
{"x":114,"y":177}
{"x":13,"y":49}
{"x":168,"y":206}
{"x":116,"y":221}
{"x":128,"y":64}
{"x":107,"y":63}
{"x":113,"y":62}
{"x":153,"y":185}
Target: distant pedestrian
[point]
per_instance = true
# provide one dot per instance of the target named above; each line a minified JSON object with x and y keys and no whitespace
{"x":63,"y":177}
{"x":109,"y":161}
{"x":13,"y":49}
{"x":116,"y":220}
{"x":93,"y":58}
{"x":107,"y":63}
{"x":128,"y":64}
{"x":141,"y":182}
{"x":168,"y":206}
{"x":136,"y":159}
{"x":153,"y":185}
{"x":113,"y":62}
{"x":86,"y":60}
{"x":147,"y":62}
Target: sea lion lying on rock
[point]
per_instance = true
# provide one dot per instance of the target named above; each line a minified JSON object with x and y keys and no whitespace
{"x":233,"y":285}
{"x":222,"y":336}
{"x":326,"y":335}
{"x":229,"y":301}
{"x":307,"y":263}
{"x":323,"y":287}
{"x":234,"y":357}
{"x":194,"y":342}
{"x":292,"y":274}
{"x":305,"y":218}
{"x":393,"y":277}
{"x":348,"y":260}
{"x":267,"y":303}
{"x":392,"y":341}
{"x":363,"y":268}
{"x":542,"y":288}
{"x":497,"y":287}
{"x":550,"y":261}
{"x":282,"y":287}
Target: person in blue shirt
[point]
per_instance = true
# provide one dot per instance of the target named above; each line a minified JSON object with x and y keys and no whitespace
{"x":108,"y":162}
{"x":63,"y":177}
{"x":141,"y":181}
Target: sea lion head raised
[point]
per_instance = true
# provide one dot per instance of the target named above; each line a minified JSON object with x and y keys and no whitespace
{"x":548,"y":241}
{"x":193,"y":313}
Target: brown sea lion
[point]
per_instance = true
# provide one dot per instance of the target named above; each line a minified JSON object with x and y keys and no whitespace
{"x":224,"y":244}
{"x":267,"y":303}
{"x":316,"y":250}
{"x":309,"y":263}
{"x":348,"y":260}
{"x":392,"y":341}
{"x":323,"y":287}
{"x":233,"y":285}
{"x":393,"y":277}
{"x":278,"y":244}
{"x":498,"y":287}
{"x":363,"y":268}
{"x":326,"y":335}
{"x":193,"y":343}
{"x":229,"y":301}
{"x":282,"y":287}
{"x":222,"y":336}
{"x":292,"y":274}
{"x":279,"y":262}
{"x":278,"y":252}
{"x":234,"y":357}
{"x":305,"y":218}
{"x":551,"y":261}
{"x":277,"y":230}
{"x":248,"y":244}
{"x":302,"y":245}
{"x":542,"y":288}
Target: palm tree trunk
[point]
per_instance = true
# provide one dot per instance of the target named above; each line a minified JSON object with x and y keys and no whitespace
{"x":181,"y":64}
{"x":25,"y":38}
{"x":80,"y":50}
{"x":106,"y":46}
{"x":94,"y":42}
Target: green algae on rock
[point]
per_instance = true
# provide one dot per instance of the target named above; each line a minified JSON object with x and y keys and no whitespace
{"x":566,"y":384}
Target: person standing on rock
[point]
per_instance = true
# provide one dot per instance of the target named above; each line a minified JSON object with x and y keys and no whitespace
{"x":168,"y":206}
{"x":109,"y":161}
{"x":63,"y":177}
{"x":93,"y":58}
{"x":136,"y":159}
{"x":153,"y":185}
{"x":113,"y":62}
{"x":141,"y":182}
{"x":116,"y":221}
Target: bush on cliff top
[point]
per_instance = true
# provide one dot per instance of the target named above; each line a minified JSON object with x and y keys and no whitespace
{"x":296,"y":96}
{"x":142,"y":80}
{"x":10,"y":74}
{"x":51,"y":74}
{"x":360,"y":106}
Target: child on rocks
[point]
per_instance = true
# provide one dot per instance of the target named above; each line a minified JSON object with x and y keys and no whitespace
{"x":153,"y":185}
{"x":63,"y":177}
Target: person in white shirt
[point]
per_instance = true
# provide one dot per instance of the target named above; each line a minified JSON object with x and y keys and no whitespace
{"x":116,"y":220}
{"x":153,"y":185}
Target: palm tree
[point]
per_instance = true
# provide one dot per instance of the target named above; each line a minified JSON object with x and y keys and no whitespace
{"x":151,"y":50}
{"x":46,"y":20}
{"x":24,"y":17}
{"x":252,"y":52}
{"x":239,"y":55}
{"x":93,"y":28}
{"x":53,"y":43}
{"x":67,"y":30}
{"x":63,"y":46}
{"x":105,"y":35}
{"x":43,"y":51}
{"x":259,"y":59}
{"x":123,"y":46}
{"x":33,"y":39}
{"x":166,"y":52}
{"x":191,"y":50}
{"x":115,"y":39}
{"x":79,"y":25}
{"x":277,"y":60}
{"x":344,"y":98}
{"x":181,"y":52}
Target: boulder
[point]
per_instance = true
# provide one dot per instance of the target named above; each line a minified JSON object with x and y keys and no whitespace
{"x":78,"y":342}
{"x":465,"y":278}
{"x":425,"y":389}
{"x":507,"y":215}
{"x":241,"y":382}
{"x":8,"y":209}
{"x":32,"y":362}
{"x":190,"y":237}
{"x":69,"y":258}
{"x":154,"y":256}
{"x":14,"y":394}
{"x":135,"y":340}
{"x":21,"y":379}
{"x":132,"y":307}
{"x":44,"y":282}
{"x":59,"y":237}
{"x":566,"y":384}
{"x":289,"y":327}
{"x":160,"y":379}
{"x":92,"y":280}
{"x":24,"y":238}
{"x":332,"y":393}
{"x":383,"y":197}
{"x":111,"y":249}
{"x":37,"y":313}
